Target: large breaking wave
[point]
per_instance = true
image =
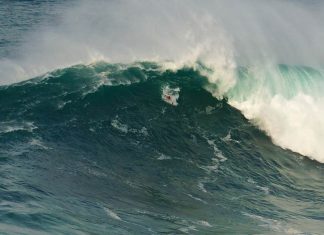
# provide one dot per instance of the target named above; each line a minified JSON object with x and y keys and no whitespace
{"x":137,"y":149}
{"x":258,"y":54}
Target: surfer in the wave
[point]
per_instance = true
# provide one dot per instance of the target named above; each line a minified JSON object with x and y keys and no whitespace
{"x":168,"y":97}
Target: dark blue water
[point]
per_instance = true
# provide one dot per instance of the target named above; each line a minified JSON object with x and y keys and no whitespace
{"x":136,"y":149}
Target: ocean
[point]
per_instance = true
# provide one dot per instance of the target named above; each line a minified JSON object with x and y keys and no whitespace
{"x":161,"y":117}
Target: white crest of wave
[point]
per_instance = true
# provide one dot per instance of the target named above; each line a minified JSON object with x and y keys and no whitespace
{"x":288,"y":105}
{"x":296,"y":124}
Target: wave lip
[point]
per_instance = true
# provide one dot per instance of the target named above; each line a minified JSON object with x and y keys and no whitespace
{"x":287,"y":103}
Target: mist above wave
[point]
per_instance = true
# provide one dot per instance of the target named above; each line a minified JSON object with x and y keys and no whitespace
{"x":220,"y":33}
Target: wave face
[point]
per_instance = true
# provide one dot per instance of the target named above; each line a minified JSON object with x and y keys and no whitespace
{"x":137,"y":149}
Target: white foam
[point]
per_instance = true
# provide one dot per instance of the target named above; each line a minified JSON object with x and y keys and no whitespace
{"x":296,"y":123}
{"x":204,"y":223}
{"x":287,"y":103}
{"x":38,"y":143}
{"x":274,"y":225}
{"x":112,"y":214}
{"x":201,"y":186}
{"x":197,"y":198}
{"x":119,"y":126}
{"x":12,"y":126}
{"x":218,"y":154}
{"x":162,"y":157}
{"x":266,"y":190}
{"x":124,"y":128}
{"x":188,"y":229}
{"x":62,"y":104}
{"x":209,"y":110}
{"x":228,"y":138}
